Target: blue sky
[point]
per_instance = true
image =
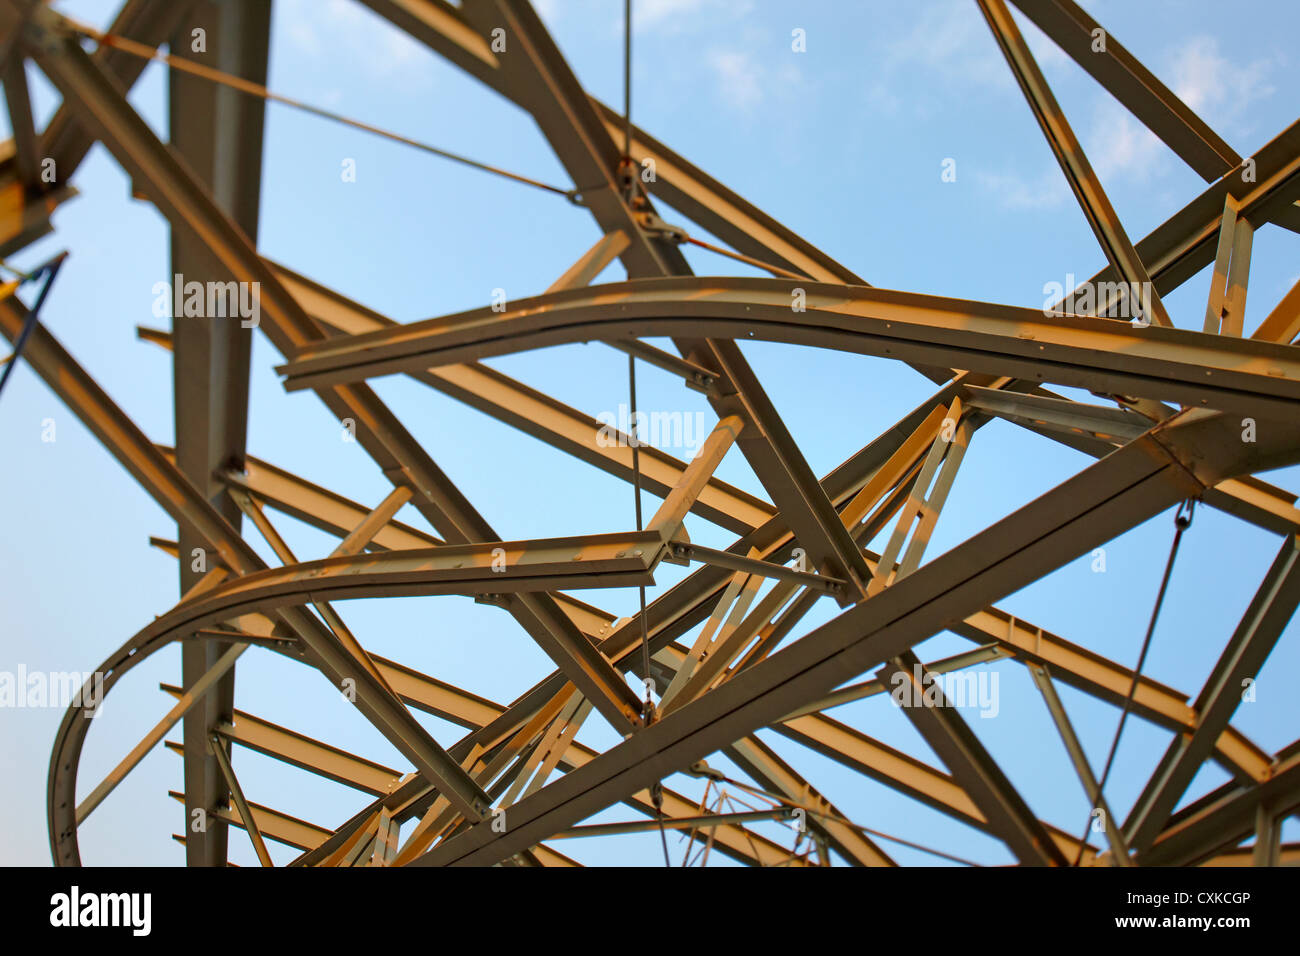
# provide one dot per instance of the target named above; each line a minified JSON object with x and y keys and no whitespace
{"x":843,"y":143}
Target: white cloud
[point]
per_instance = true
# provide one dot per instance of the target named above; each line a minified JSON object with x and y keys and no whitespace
{"x":314,"y":24}
{"x":1117,"y":147}
{"x":743,"y":80}
{"x":880,"y":99}
{"x":738,"y":76}
{"x":671,"y":16}
{"x":649,"y":14}
{"x":949,"y":39}
{"x":1045,"y":191}
{"x":1214,"y":88}
{"x":1118,"y":144}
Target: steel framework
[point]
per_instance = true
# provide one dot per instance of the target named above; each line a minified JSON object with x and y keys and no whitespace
{"x":1166,"y":429}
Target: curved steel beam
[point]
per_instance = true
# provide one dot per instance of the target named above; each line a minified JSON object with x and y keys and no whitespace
{"x":622,"y":560}
{"x":1096,"y":353}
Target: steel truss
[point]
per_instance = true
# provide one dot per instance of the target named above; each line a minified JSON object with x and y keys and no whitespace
{"x":1165,"y":430}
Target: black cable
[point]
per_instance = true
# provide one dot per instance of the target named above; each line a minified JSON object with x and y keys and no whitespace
{"x":627,"y":78}
{"x":657,"y":799}
{"x":49,"y":270}
{"x":636,"y":490}
{"x":1182,"y":521}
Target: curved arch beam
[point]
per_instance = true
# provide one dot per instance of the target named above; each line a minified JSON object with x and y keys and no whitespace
{"x":732,"y":840}
{"x":613,"y":560}
{"x":618,"y":560}
{"x":1099,"y":354}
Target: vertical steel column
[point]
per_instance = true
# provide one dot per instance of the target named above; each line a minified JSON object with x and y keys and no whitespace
{"x":218,"y":133}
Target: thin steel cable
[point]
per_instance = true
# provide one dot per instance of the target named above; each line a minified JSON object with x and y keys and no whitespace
{"x":145,"y":52}
{"x":1182,"y":521}
{"x":740,"y":257}
{"x":778,"y":798}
